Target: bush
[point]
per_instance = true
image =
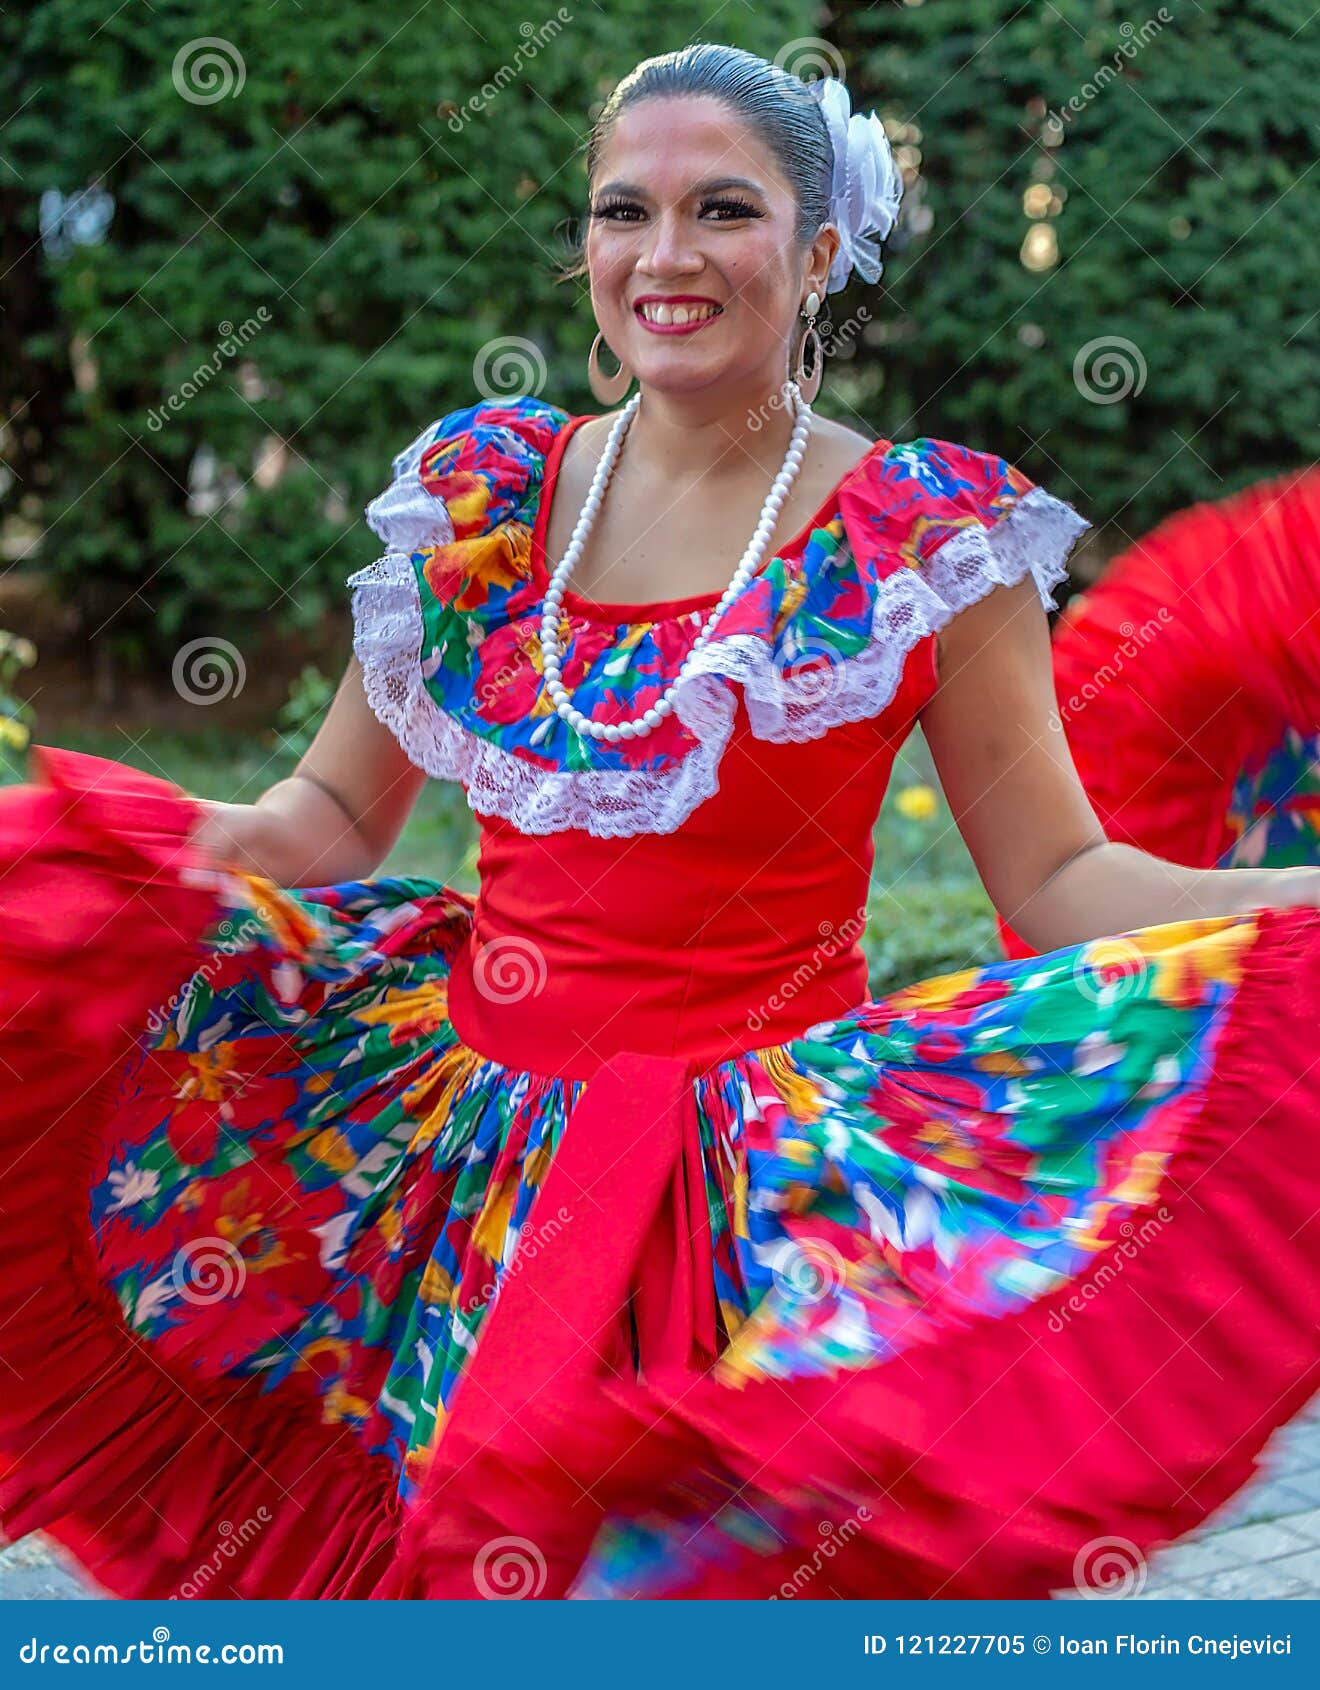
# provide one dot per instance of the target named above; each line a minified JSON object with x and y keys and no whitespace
{"x":1116,"y":284}
{"x":268,"y":263}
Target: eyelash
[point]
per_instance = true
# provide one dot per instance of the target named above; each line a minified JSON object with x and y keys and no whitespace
{"x":737,"y":208}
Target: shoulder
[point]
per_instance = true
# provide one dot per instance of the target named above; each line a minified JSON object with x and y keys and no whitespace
{"x":835,"y":440}
{"x":471,"y":468}
{"x":492,"y":437}
{"x":918,"y":494}
{"x":936,"y":525}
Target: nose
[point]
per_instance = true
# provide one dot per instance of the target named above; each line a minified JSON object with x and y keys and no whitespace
{"x":668,"y":248}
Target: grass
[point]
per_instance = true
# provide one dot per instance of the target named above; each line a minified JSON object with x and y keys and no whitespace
{"x":928,"y":913}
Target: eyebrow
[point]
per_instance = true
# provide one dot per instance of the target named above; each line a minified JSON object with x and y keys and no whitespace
{"x":715,"y":185}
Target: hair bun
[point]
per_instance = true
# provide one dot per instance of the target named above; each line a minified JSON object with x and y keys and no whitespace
{"x":867,"y":185}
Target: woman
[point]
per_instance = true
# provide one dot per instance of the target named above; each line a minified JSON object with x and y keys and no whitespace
{"x":596,"y":1236}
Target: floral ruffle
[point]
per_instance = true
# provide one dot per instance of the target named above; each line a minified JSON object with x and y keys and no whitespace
{"x":447,"y":621}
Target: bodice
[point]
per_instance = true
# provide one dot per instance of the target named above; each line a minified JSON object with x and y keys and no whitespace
{"x":737,"y":930}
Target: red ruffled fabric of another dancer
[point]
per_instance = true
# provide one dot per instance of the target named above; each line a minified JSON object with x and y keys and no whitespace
{"x":1188,"y":682}
{"x":979,"y":1466}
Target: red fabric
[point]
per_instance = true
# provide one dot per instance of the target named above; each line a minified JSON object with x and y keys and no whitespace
{"x":1195,"y":650}
{"x":710,"y":911}
{"x":141,"y":1470}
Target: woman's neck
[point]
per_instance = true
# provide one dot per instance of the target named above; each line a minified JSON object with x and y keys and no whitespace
{"x":685,"y":435}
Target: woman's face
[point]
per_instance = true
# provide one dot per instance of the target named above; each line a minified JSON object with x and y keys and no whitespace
{"x":690,"y":218}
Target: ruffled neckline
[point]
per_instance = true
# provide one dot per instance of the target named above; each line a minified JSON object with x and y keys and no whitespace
{"x":622,"y":613}
{"x":446,"y":623}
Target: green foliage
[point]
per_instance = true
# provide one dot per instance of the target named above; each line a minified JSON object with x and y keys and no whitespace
{"x":1173,"y":187}
{"x":923,"y":927}
{"x":316,"y":233}
{"x":298,"y":718}
{"x":315,"y":257}
{"x":16,"y":714}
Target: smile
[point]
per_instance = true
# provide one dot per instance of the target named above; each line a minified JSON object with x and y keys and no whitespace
{"x":676,"y":317}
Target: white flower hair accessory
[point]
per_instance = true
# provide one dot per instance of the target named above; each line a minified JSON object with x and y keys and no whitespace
{"x":867,"y":185}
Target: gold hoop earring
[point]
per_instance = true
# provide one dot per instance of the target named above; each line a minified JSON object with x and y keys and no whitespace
{"x":809,"y":381}
{"x":609,"y":389}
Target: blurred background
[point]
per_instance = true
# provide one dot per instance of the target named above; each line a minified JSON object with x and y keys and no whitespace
{"x":250,"y":251}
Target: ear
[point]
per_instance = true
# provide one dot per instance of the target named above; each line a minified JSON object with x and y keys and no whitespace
{"x":821,"y":256}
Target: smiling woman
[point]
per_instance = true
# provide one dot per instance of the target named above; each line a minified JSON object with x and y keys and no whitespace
{"x":599,"y":1233}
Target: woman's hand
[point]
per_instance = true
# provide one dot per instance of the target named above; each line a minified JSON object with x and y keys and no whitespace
{"x":235,"y":836}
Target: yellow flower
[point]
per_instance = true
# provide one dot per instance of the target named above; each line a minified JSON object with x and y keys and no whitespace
{"x":437,"y":1287}
{"x":333,"y":1150}
{"x":13,"y":733}
{"x":919,"y":803}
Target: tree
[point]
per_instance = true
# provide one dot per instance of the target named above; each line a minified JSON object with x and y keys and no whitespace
{"x":1116,"y":289}
{"x":318,"y":224}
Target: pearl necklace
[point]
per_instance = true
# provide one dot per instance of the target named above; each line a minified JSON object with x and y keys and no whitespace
{"x":552,"y":650}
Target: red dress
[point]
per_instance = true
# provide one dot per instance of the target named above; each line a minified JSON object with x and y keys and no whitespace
{"x":599,"y":1236}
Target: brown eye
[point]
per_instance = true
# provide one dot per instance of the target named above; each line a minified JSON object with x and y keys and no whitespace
{"x":617,"y":209}
{"x":731,"y":209}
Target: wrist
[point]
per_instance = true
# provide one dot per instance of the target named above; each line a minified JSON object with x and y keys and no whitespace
{"x":238,"y":836}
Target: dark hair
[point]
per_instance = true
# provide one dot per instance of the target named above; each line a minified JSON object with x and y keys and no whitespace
{"x":777,"y":105}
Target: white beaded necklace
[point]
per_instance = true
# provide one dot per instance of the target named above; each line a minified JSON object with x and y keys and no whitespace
{"x":552,"y":651}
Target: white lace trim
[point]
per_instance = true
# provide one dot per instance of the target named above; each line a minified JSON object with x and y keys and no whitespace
{"x":405,"y":516}
{"x":1034,"y":537}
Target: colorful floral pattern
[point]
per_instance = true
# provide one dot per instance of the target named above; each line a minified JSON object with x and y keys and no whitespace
{"x":1274,"y":810}
{"x":311,"y":1174}
{"x":820,"y":606}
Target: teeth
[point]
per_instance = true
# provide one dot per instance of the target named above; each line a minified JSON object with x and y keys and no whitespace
{"x":654,"y":312}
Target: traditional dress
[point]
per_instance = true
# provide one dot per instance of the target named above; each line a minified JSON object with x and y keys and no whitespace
{"x":597,"y":1235}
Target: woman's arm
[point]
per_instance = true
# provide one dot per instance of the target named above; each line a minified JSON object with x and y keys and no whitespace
{"x":994,"y":730}
{"x":337,"y":816}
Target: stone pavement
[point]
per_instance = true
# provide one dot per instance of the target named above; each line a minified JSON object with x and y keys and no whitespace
{"x":1264,"y":1543}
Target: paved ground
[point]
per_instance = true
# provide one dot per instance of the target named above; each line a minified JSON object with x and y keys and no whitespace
{"x":1265,"y":1543}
